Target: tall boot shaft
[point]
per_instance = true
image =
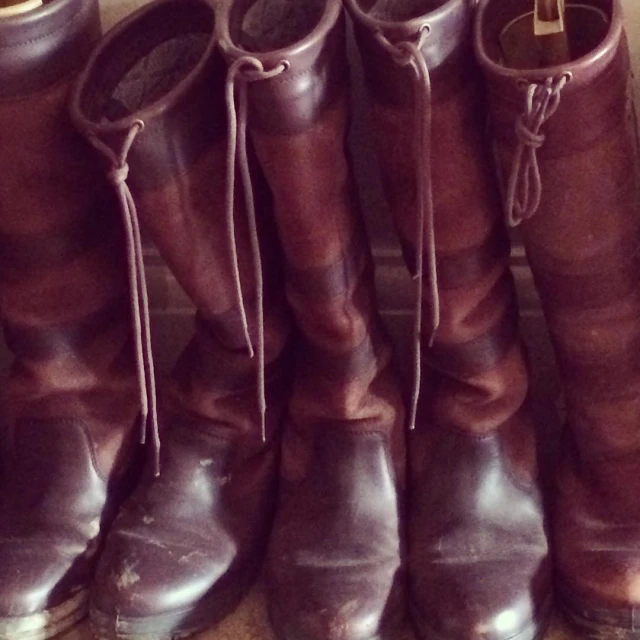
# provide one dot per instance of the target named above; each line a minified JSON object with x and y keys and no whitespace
{"x":298,"y":122}
{"x":566,"y":144}
{"x":475,"y":345}
{"x":473,"y":423}
{"x":59,"y":230}
{"x":565,"y":140}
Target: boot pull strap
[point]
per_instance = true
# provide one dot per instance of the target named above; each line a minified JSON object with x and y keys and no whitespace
{"x":117,"y":175}
{"x":241,"y":71}
{"x":410,"y":54}
{"x":524,"y":190}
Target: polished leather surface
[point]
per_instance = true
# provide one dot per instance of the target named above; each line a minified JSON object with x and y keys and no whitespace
{"x":51,"y":521}
{"x":338,"y":582}
{"x":69,"y":404}
{"x":478,"y":556}
{"x":189,"y":544}
{"x":334,"y":568}
{"x":43,"y":46}
{"x":587,"y":229}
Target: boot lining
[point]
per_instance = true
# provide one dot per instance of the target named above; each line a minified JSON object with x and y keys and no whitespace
{"x":267,"y":25}
{"x":400,"y":10}
{"x":143,"y":63}
{"x":155,"y":75}
{"x":508,"y":25}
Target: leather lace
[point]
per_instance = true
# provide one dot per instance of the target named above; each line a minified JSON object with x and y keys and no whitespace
{"x":410,"y":54}
{"x":242,"y":71}
{"x":524,"y":190}
{"x":117,"y":175}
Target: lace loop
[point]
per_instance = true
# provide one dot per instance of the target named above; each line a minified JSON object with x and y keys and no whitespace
{"x":244,"y":70}
{"x":524,"y":190}
{"x":117,"y":175}
{"x":410,"y":54}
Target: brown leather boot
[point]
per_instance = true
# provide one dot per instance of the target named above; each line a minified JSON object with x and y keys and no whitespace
{"x":566,"y":144}
{"x":334,"y":564}
{"x":190,"y":542}
{"x":70,"y":403}
{"x":478,"y":560}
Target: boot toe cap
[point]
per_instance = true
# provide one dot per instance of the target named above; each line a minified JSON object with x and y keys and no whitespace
{"x":144,"y":575}
{"x":337,"y":604}
{"x":499,"y":600}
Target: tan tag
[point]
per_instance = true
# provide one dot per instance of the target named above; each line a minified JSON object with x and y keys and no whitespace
{"x":10,"y":8}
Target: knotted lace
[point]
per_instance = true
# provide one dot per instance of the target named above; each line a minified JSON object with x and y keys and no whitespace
{"x":409,"y":54}
{"x":524,"y":191}
{"x":242,"y":71}
{"x":117,"y":175}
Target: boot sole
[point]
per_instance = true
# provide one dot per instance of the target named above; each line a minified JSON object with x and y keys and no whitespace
{"x":534,"y":631}
{"x":170,"y":626}
{"x":47,"y":624}
{"x":598,"y":624}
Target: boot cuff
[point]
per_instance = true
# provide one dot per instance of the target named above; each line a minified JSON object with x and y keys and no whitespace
{"x":595,"y":42}
{"x":159,"y":66}
{"x":448,"y":25}
{"x":43,"y":46}
{"x":306,"y":39}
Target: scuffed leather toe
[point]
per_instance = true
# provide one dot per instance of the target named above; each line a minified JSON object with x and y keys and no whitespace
{"x":478,"y":563}
{"x":189,"y":543}
{"x":336,"y":602}
{"x":334,"y":566}
{"x":146,"y":573}
{"x":491,"y":600}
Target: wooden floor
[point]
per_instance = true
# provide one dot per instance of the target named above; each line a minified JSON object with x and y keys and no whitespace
{"x":250,"y":623}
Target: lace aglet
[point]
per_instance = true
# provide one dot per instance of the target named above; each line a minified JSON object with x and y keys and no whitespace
{"x":414,"y":417}
{"x":263,"y":419}
{"x":156,"y":465}
{"x":143,"y":427}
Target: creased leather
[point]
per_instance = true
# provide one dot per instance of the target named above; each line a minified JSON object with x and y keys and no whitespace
{"x":581,"y":244}
{"x":478,"y":556}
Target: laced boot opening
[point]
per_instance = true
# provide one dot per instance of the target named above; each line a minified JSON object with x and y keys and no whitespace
{"x":268,"y":25}
{"x":399,"y":10}
{"x":140,"y":68}
{"x":509,"y":32}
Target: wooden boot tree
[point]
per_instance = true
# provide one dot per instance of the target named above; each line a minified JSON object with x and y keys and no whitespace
{"x":549,"y":29}
{"x":537,"y":40}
